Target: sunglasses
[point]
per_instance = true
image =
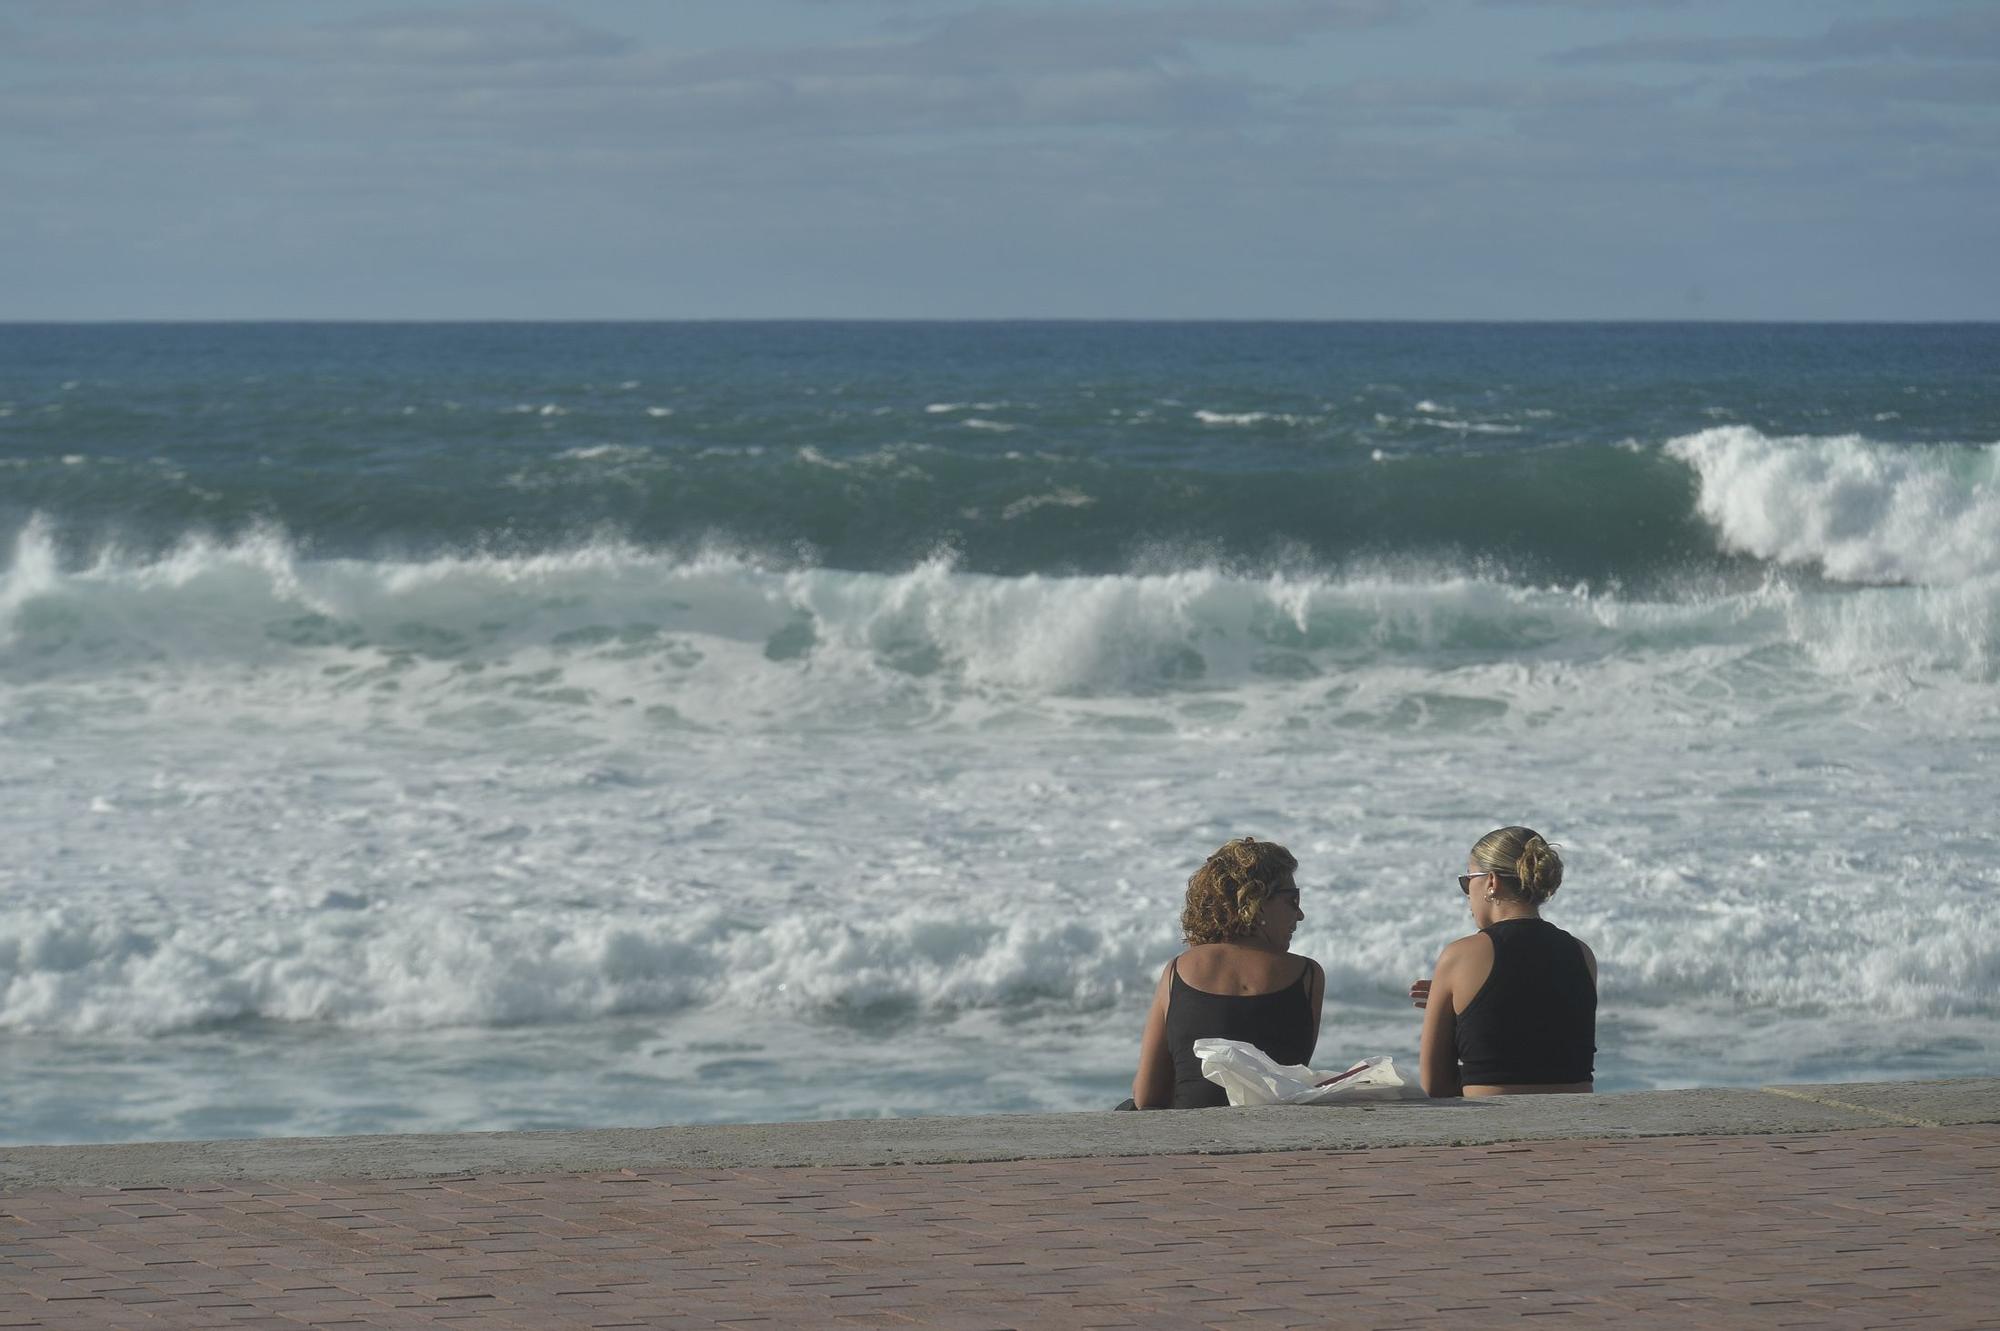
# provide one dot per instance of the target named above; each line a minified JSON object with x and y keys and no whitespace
{"x":1465,"y":879}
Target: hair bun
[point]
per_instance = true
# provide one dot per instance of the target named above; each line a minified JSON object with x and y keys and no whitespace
{"x":1540,"y":869}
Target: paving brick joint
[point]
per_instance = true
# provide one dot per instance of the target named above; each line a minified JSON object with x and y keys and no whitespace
{"x":1890,"y":1224}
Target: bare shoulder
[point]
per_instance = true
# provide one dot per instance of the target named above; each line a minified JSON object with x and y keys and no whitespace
{"x":1462,"y":971}
{"x":1195,"y":956}
{"x":1229,"y":968}
{"x":1475,"y":949}
{"x":1201,"y":965}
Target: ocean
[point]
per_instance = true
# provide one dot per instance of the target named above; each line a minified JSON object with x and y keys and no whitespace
{"x":432,"y":727}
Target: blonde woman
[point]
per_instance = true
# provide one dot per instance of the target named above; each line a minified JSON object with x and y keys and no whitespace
{"x":1238,"y":979}
{"x":1512,"y":1009}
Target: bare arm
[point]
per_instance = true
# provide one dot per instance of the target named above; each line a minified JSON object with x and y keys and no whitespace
{"x":1437,"y":1060}
{"x":1153,"y":1083}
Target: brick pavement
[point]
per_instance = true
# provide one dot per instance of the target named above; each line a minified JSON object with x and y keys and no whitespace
{"x":1875,"y":1227}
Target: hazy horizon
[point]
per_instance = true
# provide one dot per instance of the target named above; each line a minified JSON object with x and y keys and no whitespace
{"x":997,"y":319}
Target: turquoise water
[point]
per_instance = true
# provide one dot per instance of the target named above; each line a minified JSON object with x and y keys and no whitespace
{"x":1058,"y":448}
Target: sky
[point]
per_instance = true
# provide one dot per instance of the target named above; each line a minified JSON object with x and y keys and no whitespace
{"x":1092,"y":159}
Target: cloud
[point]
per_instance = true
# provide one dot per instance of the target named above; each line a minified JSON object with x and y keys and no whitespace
{"x":1844,"y":90}
{"x":1594,"y":6}
{"x":471,"y":143}
{"x":1963,"y":35}
{"x":492,"y":34}
{"x":118,"y":11}
{"x":1491,"y":95}
{"x":512,"y":74}
{"x":1128,"y":32}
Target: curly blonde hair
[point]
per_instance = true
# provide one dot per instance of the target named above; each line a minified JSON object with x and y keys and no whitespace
{"x":1525,"y":865}
{"x":1228,"y":892}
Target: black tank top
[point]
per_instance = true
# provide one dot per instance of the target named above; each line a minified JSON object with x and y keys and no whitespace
{"x":1534,"y":1021}
{"x":1280,"y":1024}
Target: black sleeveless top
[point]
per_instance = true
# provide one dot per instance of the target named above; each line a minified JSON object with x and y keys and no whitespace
{"x":1280,"y":1024}
{"x":1534,"y":1021}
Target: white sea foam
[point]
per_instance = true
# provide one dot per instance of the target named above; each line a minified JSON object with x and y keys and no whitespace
{"x":32,"y":573}
{"x":605,"y":623}
{"x":1432,"y":420}
{"x":606,"y":453}
{"x":1472,"y":427}
{"x":416,"y":965}
{"x":777,"y":806}
{"x":1857,"y":510}
{"x":426,"y":888}
{"x":1065,"y":498}
{"x":1245,"y":418}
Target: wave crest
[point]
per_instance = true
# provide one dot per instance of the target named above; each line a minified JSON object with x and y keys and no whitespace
{"x":727,"y":641}
{"x":414,"y":967}
{"x":1859,"y":511}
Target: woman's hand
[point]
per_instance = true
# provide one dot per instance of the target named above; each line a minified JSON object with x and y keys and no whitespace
{"x":1420,"y":994}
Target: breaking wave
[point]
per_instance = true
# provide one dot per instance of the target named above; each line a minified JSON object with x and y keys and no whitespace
{"x":728,"y":640}
{"x":1857,"y":511}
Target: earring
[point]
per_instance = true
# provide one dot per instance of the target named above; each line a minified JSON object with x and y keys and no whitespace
{"x":1492,"y":895}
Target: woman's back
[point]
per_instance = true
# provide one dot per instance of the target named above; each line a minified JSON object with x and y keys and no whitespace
{"x":1227,"y":992}
{"x":1533,"y":1021}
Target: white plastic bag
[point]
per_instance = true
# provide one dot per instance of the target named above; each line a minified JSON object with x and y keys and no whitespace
{"x":1250,"y":1077}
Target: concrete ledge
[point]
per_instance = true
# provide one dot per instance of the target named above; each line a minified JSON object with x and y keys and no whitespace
{"x":1927,"y":1104}
{"x":851,"y":1142}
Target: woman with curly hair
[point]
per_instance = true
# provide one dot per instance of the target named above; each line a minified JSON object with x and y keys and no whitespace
{"x":1512,"y":1009}
{"x":1238,"y":980}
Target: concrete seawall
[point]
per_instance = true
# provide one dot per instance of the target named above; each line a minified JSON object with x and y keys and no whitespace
{"x":850,"y":1142}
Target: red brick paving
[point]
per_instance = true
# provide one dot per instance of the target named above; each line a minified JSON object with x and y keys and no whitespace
{"x":1890,"y":1228}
